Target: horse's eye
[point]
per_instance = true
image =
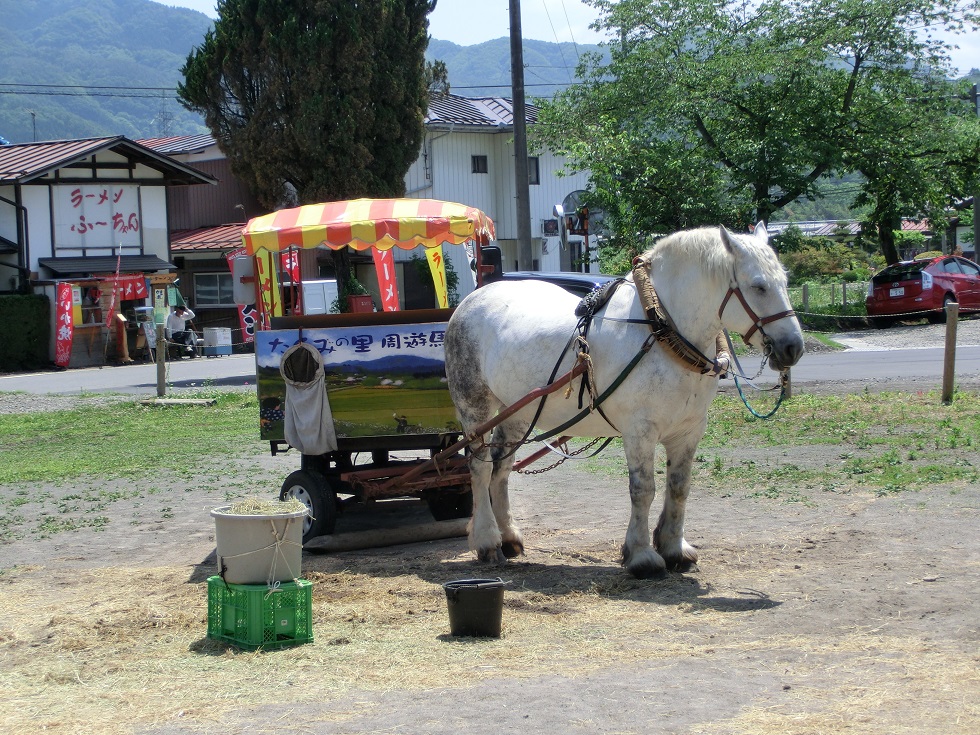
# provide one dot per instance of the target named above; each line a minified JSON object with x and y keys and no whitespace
{"x":760,"y":288}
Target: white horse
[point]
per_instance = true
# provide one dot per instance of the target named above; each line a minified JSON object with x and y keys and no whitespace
{"x":505,"y":339}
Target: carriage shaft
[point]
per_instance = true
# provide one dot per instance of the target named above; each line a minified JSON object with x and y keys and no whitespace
{"x":479,"y":431}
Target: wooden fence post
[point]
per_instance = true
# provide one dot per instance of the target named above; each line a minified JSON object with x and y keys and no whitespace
{"x":161,"y":366}
{"x":949,"y":361}
{"x":806,"y":297}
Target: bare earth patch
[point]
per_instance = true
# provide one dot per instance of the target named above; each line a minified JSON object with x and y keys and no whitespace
{"x":812,"y":612}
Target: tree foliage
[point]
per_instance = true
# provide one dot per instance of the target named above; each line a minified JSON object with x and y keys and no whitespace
{"x":726,"y":111}
{"x":314,"y":100}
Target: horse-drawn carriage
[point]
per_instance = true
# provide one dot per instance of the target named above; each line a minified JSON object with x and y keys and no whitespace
{"x":383,"y":389}
{"x":641,"y":362}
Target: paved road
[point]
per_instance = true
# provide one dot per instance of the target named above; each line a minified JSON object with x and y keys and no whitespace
{"x":872,"y":366}
{"x":137,"y":379}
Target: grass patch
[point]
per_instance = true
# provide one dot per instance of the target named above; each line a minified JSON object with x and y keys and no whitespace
{"x":882,"y":443}
{"x":126,"y":439}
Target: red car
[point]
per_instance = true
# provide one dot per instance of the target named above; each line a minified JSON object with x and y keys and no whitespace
{"x":922,"y":288}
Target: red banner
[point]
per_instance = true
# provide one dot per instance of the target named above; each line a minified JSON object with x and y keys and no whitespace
{"x":247,"y":317}
{"x":384,"y":264}
{"x":64,"y":329}
{"x":290,"y":264}
{"x":231,"y":255}
{"x":131,"y":286}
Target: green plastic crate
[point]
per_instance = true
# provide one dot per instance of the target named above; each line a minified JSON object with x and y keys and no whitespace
{"x":253,"y":616}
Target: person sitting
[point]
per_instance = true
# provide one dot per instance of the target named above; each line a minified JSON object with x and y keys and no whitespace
{"x":177,"y":331}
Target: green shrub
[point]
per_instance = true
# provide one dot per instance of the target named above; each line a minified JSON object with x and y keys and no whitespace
{"x":25,"y":331}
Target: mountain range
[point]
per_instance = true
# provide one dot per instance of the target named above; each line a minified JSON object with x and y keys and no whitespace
{"x":88,"y":68}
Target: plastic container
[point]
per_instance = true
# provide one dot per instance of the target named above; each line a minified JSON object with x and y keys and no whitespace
{"x":256,"y":616}
{"x":258,"y":549}
{"x":217,"y":341}
{"x":475,"y":607}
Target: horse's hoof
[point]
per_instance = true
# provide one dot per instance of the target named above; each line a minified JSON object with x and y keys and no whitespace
{"x":492,"y":555}
{"x":512,"y":549}
{"x":647,"y":564}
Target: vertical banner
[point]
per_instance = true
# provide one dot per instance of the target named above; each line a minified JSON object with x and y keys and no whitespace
{"x":247,"y":318}
{"x":438,"y":268}
{"x":289,"y":261}
{"x":115,"y":288}
{"x":65,"y":329}
{"x":247,"y":315}
{"x":268,"y":280}
{"x":384,"y":264}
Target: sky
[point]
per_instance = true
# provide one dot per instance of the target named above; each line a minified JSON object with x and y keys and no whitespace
{"x":469,"y":22}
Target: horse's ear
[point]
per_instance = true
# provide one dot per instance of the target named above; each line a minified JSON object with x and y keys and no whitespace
{"x":727,"y":239}
{"x":761,"y":232}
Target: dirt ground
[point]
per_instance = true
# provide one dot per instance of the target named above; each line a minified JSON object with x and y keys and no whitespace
{"x":843,"y":612}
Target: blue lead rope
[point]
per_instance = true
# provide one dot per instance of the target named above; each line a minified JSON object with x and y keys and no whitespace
{"x":779,"y":401}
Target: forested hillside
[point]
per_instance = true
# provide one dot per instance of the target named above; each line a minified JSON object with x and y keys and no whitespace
{"x":54,"y":53}
{"x":109,"y":67}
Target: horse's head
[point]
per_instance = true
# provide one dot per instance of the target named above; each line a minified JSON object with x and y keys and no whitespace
{"x":757,"y":304}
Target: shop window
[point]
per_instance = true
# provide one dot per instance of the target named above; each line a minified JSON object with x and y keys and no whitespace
{"x":213,"y":289}
{"x":480,"y":165}
{"x":533,"y":171}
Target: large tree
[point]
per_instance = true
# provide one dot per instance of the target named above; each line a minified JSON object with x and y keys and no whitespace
{"x":721,"y":110}
{"x":324,"y":97}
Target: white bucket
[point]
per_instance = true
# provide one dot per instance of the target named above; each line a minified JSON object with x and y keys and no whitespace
{"x":258,"y":549}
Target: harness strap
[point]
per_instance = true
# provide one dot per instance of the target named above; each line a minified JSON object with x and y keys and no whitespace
{"x":663,"y":329}
{"x":644,"y":349}
{"x":757,"y":322}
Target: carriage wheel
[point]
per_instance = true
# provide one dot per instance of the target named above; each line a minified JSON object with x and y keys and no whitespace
{"x":451,"y":504}
{"x":312,"y":489}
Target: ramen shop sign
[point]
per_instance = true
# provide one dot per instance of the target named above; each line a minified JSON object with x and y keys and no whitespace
{"x":97,"y":216}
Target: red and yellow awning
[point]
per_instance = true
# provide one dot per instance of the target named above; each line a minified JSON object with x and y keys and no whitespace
{"x":367,"y":223}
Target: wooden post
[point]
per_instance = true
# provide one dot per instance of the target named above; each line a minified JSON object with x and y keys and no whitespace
{"x":843,"y":294}
{"x":949,"y":362}
{"x":806,"y":297}
{"x":161,"y":366}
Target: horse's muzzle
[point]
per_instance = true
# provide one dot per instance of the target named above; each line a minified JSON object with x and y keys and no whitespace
{"x":785,"y":353}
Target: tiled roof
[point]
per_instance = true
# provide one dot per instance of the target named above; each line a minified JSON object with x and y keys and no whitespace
{"x":223,"y":237}
{"x":82,"y":266}
{"x":23,"y":162}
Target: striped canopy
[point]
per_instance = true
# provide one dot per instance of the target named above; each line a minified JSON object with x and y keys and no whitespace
{"x":366,"y":223}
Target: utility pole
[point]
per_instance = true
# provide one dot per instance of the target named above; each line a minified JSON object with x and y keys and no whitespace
{"x":523,"y":195}
{"x":976,"y":194}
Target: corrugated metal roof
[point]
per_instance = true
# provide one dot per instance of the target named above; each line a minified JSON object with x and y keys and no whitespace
{"x":487,"y":112}
{"x":23,"y":162}
{"x":829,"y":228}
{"x":223,"y":237}
{"x":179,"y":143}
{"x":86,"y":266}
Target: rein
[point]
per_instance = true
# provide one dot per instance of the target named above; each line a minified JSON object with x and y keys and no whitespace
{"x":662,"y":330}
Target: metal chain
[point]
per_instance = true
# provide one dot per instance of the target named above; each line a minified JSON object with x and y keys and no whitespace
{"x":564,"y":459}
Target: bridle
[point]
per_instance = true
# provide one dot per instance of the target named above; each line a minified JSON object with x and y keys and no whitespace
{"x":757,"y":322}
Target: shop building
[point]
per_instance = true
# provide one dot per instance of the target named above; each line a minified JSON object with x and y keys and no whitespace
{"x":85,"y":222}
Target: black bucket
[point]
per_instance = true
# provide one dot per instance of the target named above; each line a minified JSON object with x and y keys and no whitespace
{"x":475,"y":607}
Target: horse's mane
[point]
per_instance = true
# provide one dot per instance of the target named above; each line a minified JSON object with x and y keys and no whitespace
{"x":703,"y":245}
